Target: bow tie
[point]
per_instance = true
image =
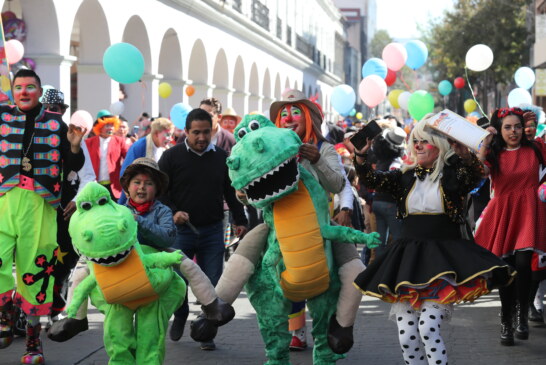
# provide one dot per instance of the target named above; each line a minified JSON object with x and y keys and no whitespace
{"x":422,"y":172}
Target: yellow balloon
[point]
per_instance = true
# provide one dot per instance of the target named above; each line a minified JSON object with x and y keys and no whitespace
{"x":470,"y":105}
{"x":393,"y":97}
{"x":359,"y":115}
{"x":5,"y":84}
{"x":165,"y":90}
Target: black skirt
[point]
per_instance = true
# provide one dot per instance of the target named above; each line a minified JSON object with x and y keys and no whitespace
{"x":430,"y":251}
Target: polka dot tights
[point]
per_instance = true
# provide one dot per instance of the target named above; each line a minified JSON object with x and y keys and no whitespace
{"x":419,"y":335}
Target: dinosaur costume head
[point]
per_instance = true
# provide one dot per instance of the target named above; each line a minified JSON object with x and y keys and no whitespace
{"x":101,"y":230}
{"x":263,"y":162}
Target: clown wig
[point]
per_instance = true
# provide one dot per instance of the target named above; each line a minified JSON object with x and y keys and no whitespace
{"x":312,"y":123}
{"x":107,"y":119}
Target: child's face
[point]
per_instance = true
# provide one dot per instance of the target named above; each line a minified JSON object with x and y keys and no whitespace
{"x":142,"y":189}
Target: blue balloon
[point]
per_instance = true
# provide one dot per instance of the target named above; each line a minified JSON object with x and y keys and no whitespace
{"x":445,"y":87}
{"x":179,"y":113}
{"x":124,"y":63}
{"x":519,"y":96}
{"x":417,"y":54}
{"x":374,"y":66}
{"x":525,"y":77}
{"x":343,"y":99}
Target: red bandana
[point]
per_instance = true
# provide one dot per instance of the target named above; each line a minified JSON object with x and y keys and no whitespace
{"x":141,"y":208}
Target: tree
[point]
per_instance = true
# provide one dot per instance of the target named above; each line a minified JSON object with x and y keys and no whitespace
{"x":378,"y":42}
{"x":500,"y":24}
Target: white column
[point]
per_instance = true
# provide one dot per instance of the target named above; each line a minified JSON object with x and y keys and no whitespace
{"x":96,"y":90}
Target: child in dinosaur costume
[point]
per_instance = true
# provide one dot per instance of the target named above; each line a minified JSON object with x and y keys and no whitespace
{"x":297,"y":262}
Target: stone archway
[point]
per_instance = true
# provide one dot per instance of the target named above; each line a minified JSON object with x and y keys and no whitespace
{"x":220,"y":80}
{"x":254,"y":101}
{"x":198,"y":73}
{"x":239,"y":95}
{"x":170,"y":67}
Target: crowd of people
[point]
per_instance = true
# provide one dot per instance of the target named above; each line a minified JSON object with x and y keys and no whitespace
{"x":454,"y":224}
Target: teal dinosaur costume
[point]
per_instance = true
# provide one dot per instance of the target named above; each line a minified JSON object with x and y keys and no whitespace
{"x":137,"y":291}
{"x":297,"y":262}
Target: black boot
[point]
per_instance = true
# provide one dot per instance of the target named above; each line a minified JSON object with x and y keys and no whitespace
{"x":522,"y":322}
{"x":507,"y":329}
{"x":535,"y":315}
{"x":6,"y":325}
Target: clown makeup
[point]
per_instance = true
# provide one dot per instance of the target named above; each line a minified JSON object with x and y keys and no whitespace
{"x":530,"y":129}
{"x":229,"y":123}
{"x":425,"y":153}
{"x":511,"y":131}
{"x":142,"y":189}
{"x":163,"y":138}
{"x":26,"y":93}
{"x":292,"y":118}
{"x":107,"y":130}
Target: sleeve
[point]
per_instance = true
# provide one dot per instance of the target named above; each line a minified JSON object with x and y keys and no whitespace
{"x":329,"y":169}
{"x":383,"y":181}
{"x":87,"y":174}
{"x":158,"y":227}
{"x":164,"y":165}
{"x":346,"y":196}
{"x":71,"y":161}
{"x":469,"y":174}
{"x":235,"y":206}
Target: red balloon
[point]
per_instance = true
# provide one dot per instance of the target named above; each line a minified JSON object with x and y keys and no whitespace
{"x":459,"y":82}
{"x":390,"y":78}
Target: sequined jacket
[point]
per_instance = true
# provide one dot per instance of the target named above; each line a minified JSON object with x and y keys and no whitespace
{"x":456,"y":181}
{"x":50,"y":150}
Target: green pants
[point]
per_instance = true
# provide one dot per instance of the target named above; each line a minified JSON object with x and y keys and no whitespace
{"x":28,"y":233}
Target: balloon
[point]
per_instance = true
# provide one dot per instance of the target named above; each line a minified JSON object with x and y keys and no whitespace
{"x":117,"y":108}
{"x":82,"y":119}
{"x":390,"y":78}
{"x":459,"y":82}
{"x":103,"y":112}
{"x":393,"y":97}
{"x":359,"y":115}
{"x":395,"y":56}
{"x":445,"y":87}
{"x":123,"y":62}
{"x":374,"y":66}
{"x":165,"y":90}
{"x":178,"y":114}
{"x":470,"y":105}
{"x":14,"y":51}
{"x":542,"y":192}
{"x":479,"y":57}
{"x":420,"y":104}
{"x":519,"y":96}
{"x":403,"y":100}
{"x":190,"y":90}
{"x":343,"y":99}
{"x":417,"y":54}
{"x":352,"y":113}
{"x":372,"y":90}
{"x":525,"y":77}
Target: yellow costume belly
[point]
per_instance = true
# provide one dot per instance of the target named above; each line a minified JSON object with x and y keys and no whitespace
{"x":298,"y":232}
{"x":126,"y":283}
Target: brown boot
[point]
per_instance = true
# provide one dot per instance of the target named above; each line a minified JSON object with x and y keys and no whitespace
{"x":6,"y":325}
{"x":34,"y":353}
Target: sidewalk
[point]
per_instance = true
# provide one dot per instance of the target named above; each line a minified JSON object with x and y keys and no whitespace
{"x":471,"y":337}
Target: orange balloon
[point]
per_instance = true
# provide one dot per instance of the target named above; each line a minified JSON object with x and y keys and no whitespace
{"x":190,"y":90}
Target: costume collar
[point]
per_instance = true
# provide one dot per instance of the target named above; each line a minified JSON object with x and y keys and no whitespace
{"x":210,"y":147}
{"x":422,"y":172}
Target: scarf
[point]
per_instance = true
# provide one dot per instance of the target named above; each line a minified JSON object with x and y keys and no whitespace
{"x":141,"y":208}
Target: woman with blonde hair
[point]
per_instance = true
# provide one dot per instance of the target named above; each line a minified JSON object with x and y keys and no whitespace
{"x":431,"y":266}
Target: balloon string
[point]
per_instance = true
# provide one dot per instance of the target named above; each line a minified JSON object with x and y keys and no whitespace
{"x":403,"y":81}
{"x":472,"y":93}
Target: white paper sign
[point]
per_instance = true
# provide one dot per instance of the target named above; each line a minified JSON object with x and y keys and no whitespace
{"x":453,"y":126}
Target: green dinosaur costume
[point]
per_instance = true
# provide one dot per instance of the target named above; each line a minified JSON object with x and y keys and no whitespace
{"x":297,"y":263}
{"x":137,"y":291}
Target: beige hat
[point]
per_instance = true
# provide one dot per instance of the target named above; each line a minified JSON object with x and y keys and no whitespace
{"x":230,"y":112}
{"x":293,"y":96}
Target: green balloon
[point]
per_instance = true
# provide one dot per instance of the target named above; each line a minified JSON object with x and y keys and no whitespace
{"x":420,"y":104}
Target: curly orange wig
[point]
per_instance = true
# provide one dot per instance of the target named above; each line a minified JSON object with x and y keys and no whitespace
{"x":310,"y":135}
{"x":107,"y":119}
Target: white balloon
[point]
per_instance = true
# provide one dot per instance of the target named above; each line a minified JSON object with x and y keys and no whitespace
{"x":403,"y":100}
{"x":525,"y":77}
{"x":479,"y":57}
{"x":519,"y":96}
{"x":117,"y":108}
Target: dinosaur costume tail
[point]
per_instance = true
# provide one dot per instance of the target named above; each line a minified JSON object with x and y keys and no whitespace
{"x":307,"y":274}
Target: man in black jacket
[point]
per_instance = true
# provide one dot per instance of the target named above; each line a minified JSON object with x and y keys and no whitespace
{"x":198,"y":184}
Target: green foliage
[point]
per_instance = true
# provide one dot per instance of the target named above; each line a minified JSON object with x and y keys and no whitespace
{"x":378,"y":42}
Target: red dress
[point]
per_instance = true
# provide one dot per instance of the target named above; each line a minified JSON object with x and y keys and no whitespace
{"x":515,"y":219}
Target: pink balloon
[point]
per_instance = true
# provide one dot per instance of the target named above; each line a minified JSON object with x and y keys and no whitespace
{"x":82,"y":119}
{"x":372,"y":90}
{"x":395,"y":56}
{"x":14,"y":51}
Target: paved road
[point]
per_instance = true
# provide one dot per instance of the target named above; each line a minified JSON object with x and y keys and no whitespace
{"x":471,"y":337}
